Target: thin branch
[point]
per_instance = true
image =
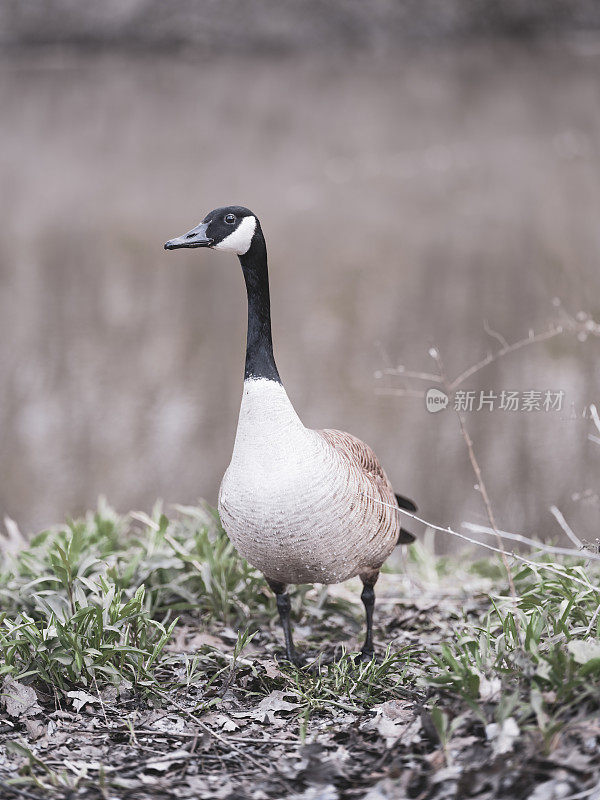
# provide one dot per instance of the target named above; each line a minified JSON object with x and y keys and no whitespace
{"x":400,"y":392}
{"x":556,"y":568}
{"x":541,"y":546}
{"x":400,"y":372}
{"x":595,"y":416}
{"x":197,"y":721}
{"x":434,"y":352}
{"x":494,"y":334}
{"x":510,"y":348}
{"x":565,"y":526}
{"x":592,"y":621}
{"x":485,"y":496}
{"x":584,"y":325}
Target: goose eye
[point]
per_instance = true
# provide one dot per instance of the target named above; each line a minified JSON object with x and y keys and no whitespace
{"x":230,"y":219}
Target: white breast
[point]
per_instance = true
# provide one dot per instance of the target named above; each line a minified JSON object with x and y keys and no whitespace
{"x":287,"y":501}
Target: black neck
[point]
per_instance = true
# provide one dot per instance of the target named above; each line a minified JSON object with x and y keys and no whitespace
{"x":260,"y":362}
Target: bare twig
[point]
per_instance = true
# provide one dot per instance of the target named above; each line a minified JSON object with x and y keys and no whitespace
{"x":400,"y":392}
{"x":565,"y":526}
{"x":584,"y":326}
{"x":484,"y":495}
{"x":400,"y":372}
{"x":592,"y":621}
{"x":544,"y":548}
{"x":435,"y":354}
{"x":490,"y":358}
{"x":99,"y":696}
{"x":494,"y":334}
{"x":556,"y":568}
{"x":197,"y":721}
{"x":509,"y":348}
{"x":595,"y":416}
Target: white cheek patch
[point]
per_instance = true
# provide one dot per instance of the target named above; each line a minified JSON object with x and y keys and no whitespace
{"x":240,"y":239}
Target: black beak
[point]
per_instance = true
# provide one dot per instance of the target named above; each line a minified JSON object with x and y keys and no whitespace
{"x":195,"y":238}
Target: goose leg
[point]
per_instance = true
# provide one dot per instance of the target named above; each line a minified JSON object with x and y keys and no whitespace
{"x":369,"y":580}
{"x":284,"y":606}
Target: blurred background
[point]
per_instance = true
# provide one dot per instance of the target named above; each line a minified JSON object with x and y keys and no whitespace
{"x":422,"y":171}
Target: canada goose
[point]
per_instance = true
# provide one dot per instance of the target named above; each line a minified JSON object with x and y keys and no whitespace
{"x":297,"y":503}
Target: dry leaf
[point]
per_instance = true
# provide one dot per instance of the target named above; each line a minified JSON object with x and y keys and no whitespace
{"x":502,"y":736}
{"x":392,"y":719}
{"x":164,"y":764}
{"x":35,"y":728}
{"x":584,"y":651}
{"x":13,"y":541}
{"x":266,"y":709}
{"x":270,"y":667}
{"x":328,"y":792}
{"x":226,"y":723}
{"x":20,"y":700}
{"x":489,"y":689}
{"x":187,"y":640}
{"x":80,"y":699}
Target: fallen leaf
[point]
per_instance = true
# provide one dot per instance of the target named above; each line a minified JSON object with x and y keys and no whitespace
{"x":448,"y":774}
{"x":386,"y":790}
{"x":80,"y":699}
{"x":502,"y":736}
{"x":166,"y":723}
{"x":226,"y":723}
{"x":322,"y":768}
{"x":20,"y":700}
{"x":109,"y":695}
{"x":164,"y":764}
{"x":489,"y":688}
{"x":391,"y":720}
{"x":35,"y":728}
{"x":270,"y":667}
{"x":187,"y":640}
{"x":585,"y":652}
{"x":460,"y":743}
{"x":555,"y":789}
{"x":328,"y":792}
{"x":268,"y":706}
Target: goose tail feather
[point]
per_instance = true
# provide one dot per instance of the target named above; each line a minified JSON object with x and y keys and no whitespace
{"x":405,"y":537}
{"x":405,"y":503}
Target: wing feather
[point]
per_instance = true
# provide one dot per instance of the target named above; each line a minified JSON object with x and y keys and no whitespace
{"x":368,"y":478}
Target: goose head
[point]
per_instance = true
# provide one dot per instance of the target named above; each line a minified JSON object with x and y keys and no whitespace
{"x":230,"y":229}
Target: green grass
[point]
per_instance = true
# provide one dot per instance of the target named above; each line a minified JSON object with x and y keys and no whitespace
{"x":537,"y":660}
{"x":346,"y":685}
{"x":95,"y":602}
{"x":98,"y":599}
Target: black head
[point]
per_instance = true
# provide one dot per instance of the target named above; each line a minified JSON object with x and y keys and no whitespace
{"x":231,"y":229}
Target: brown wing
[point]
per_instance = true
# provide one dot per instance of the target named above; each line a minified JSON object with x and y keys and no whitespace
{"x":372,"y":484}
{"x":360,"y":456}
{"x":356,"y":452}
